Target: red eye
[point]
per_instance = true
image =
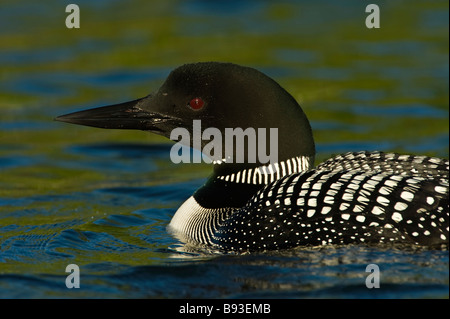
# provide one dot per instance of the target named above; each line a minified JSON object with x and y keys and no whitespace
{"x":196,"y":103}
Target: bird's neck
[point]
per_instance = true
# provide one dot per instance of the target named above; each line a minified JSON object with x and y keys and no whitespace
{"x":232,"y":185}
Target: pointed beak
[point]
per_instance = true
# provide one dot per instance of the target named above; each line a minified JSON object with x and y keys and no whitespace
{"x":132,"y":115}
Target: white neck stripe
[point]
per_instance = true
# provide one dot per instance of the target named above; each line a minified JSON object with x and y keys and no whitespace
{"x":270,"y":173}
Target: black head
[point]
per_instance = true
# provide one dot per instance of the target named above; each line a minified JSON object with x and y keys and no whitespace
{"x":221,"y":95}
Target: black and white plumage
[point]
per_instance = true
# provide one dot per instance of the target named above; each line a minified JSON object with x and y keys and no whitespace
{"x":336,"y":205}
{"x":365,"y":198}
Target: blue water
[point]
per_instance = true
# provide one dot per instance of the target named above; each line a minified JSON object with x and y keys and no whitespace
{"x":102,"y":199}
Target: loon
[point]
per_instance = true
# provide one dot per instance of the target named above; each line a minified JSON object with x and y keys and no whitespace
{"x":368,"y":198}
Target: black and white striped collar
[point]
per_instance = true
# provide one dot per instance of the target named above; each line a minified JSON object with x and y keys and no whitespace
{"x":269,"y":173}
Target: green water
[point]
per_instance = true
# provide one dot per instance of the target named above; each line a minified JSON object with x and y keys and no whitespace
{"x":102,"y":198}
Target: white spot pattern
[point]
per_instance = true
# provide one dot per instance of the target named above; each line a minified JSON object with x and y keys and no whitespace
{"x":355,"y":197}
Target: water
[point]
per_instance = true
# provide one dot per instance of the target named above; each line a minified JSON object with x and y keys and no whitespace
{"x":101,"y":199}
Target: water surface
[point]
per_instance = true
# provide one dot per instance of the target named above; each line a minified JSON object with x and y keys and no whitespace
{"x":102,"y":199}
